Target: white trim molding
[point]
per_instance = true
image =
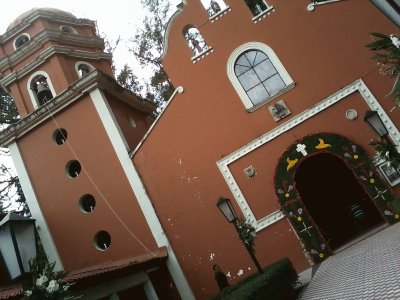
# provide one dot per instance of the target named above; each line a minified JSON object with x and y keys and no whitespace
{"x":34,"y":207}
{"x":118,"y":142}
{"x":223,"y":164}
{"x":20,"y":36}
{"x":311,"y":6}
{"x":230,"y":69}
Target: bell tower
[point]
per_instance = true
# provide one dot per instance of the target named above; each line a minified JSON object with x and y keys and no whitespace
{"x":71,"y":145}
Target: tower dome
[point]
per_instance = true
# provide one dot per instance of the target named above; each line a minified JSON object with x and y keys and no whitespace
{"x":24,"y":15}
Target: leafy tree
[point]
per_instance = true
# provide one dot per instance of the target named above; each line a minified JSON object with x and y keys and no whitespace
{"x":148,"y":44}
{"x":8,"y":111}
{"x":129,"y":80}
{"x":10,"y":188}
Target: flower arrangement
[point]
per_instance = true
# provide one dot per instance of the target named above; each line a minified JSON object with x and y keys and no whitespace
{"x":247,"y":233}
{"x":388,"y":57}
{"x":45,"y":282}
{"x":387,"y":152}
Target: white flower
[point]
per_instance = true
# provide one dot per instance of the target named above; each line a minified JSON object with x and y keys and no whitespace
{"x":41,"y":281}
{"x":52,"y":287}
{"x":28,"y":293}
{"x":387,"y":154}
{"x":395,"y":41}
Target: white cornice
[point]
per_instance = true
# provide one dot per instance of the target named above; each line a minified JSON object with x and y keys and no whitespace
{"x":42,"y":57}
{"x":168,"y":29}
{"x":311,"y":6}
{"x":223,"y":164}
{"x":49,"y":34}
{"x":93,"y":80}
{"x":45,"y":14}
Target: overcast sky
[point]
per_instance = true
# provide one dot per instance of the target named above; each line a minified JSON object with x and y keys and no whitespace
{"x":114,"y":18}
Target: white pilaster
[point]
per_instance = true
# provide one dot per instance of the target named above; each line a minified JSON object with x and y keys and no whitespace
{"x":34,"y":207}
{"x":118,"y":142}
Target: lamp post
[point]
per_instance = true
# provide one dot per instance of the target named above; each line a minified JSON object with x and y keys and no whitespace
{"x":227,"y":209}
{"x":17,"y":243}
{"x":375,"y":122}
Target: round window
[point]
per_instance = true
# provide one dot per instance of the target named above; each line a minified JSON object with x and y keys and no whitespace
{"x":102,"y":240}
{"x":60,"y":136}
{"x":87,"y":203}
{"x":73,"y":168}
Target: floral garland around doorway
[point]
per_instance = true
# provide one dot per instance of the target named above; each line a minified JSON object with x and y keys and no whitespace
{"x":355,"y":159}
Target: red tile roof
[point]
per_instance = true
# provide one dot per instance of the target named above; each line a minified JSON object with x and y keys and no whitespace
{"x":10,"y":291}
{"x":159,"y":254}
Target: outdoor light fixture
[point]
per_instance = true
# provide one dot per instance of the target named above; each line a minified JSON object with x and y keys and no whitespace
{"x":226,"y":207}
{"x":375,"y":122}
{"x":17,"y":243}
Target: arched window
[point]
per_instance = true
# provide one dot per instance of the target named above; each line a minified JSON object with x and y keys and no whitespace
{"x":83,"y":68}
{"x":194,"y":39}
{"x":21,"y":40}
{"x":214,"y":7}
{"x":257,"y":74}
{"x":40,"y":89}
{"x":257,"y":6}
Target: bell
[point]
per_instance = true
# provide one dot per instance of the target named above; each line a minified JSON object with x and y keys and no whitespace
{"x":43,"y":93}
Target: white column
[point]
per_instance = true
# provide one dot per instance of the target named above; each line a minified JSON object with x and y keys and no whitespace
{"x":32,"y":201}
{"x":149,"y":290}
{"x":118,"y":142}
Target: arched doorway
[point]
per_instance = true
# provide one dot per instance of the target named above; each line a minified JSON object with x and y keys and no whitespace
{"x":315,"y":242}
{"x":336,"y":201}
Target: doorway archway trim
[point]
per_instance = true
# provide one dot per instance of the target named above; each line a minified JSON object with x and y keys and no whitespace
{"x":355,"y":158}
{"x":223,"y":164}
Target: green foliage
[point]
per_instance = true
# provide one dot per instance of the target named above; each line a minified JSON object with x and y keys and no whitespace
{"x":8,"y":110}
{"x":247,"y":233}
{"x":45,"y":282}
{"x":276,"y":283}
{"x":387,"y":53}
{"x":387,"y":152}
{"x":355,"y":159}
{"x":128,"y":80}
{"x":148,"y":46}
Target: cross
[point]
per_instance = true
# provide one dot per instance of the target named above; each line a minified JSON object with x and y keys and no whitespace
{"x":306,"y":229}
{"x":302,"y":149}
{"x":380,"y":193}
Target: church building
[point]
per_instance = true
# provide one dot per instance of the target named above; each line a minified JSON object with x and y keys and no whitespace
{"x":269,"y":111}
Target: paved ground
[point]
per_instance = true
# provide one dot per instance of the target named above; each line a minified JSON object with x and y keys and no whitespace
{"x":368,"y":270}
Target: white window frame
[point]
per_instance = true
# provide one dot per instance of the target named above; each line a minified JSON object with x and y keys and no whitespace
{"x":275,"y":61}
{"x":15,"y":41}
{"x":388,"y":10}
{"x":32,"y":95}
{"x":82,"y":63}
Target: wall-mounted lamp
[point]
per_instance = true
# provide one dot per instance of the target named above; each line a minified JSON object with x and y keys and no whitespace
{"x":227,"y":209}
{"x":375,"y":122}
{"x":17,"y":243}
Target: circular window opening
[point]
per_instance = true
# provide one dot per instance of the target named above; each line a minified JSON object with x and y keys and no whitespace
{"x":60,"y":136}
{"x":73,"y":168}
{"x":87,"y":203}
{"x":102,"y":240}
{"x":21,"y":40}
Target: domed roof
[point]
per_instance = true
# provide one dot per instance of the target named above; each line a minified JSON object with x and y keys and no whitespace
{"x":23,"y":16}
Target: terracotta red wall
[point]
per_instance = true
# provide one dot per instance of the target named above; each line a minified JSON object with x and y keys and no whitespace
{"x":323,"y":51}
{"x":58,"y":195}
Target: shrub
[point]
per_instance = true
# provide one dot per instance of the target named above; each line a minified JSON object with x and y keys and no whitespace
{"x":276,"y":283}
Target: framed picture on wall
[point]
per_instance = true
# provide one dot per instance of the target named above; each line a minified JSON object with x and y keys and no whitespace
{"x":279,"y":110}
{"x":391,"y":174}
